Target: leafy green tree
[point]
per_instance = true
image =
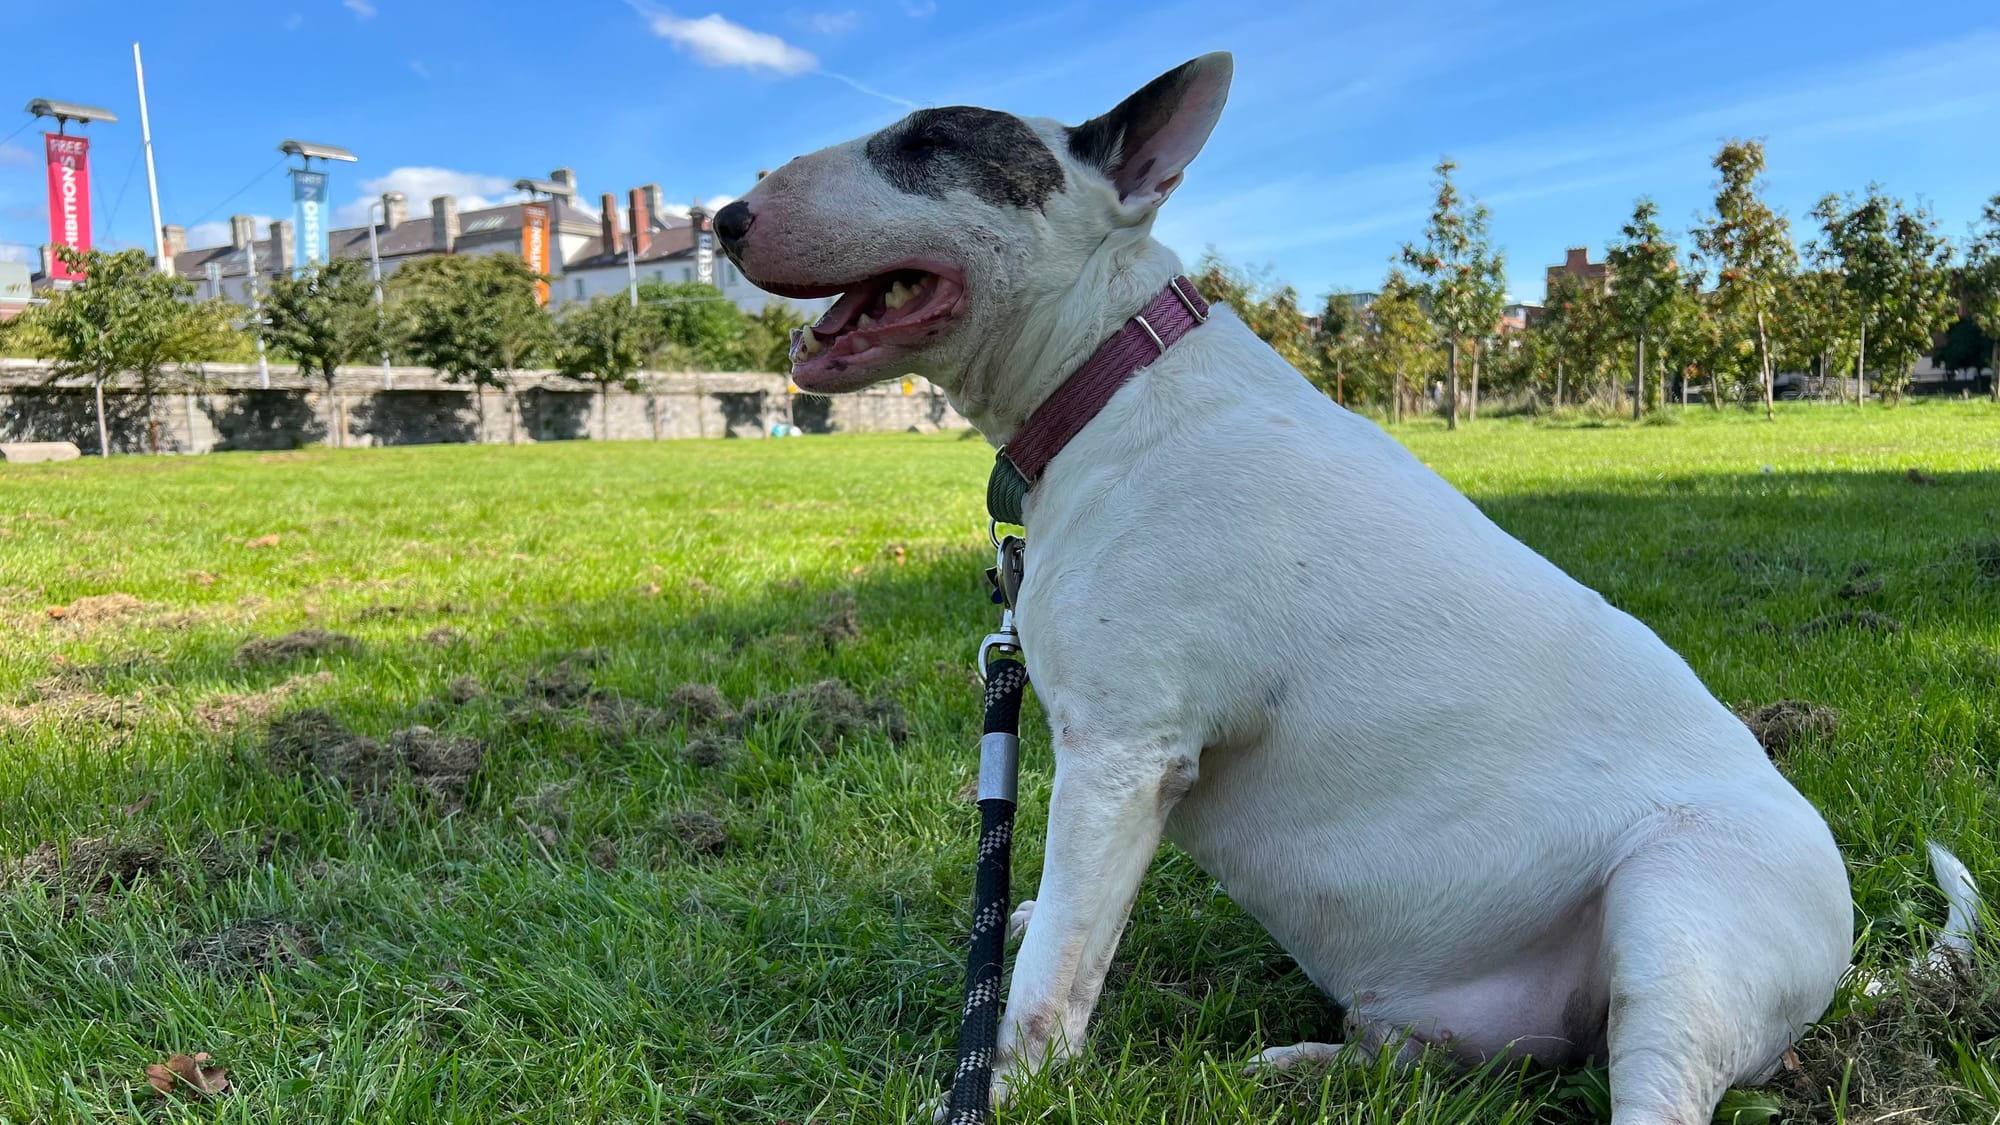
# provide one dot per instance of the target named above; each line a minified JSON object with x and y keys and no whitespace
{"x":324,"y":317}
{"x":1401,"y":345}
{"x":604,"y":342}
{"x":1270,"y":311}
{"x":1751,"y":246}
{"x":1980,"y":282}
{"x":1644,"y":278}
{"x":697,"y":327}
{"x":1818,"y":323}
{"x":125,"y":317}
{"x":1898,"y":267}
{"x":1333,"y":345}
{"x":1464,"y":284}
{"x":767,"y":338}
{"x":1576,"y":327}
{"x":472,"y":318}
{"x":1964,"y":347}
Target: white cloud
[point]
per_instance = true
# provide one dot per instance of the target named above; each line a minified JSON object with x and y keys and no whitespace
{"x":216,"y":232}
{"x":361,"y":8}
{"x":12,"y":155}
{"x":419,"y":184}
{"x":714,"y":41}
{"x":920,"y":9}
{"x":293,"y":21}
{"x":834,"y":23}
{"x":16,"y":252}
{"x":422,"y":71}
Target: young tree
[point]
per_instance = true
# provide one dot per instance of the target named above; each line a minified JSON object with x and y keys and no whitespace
{"x":1463,"y":277}
{"x":1981,"y":283}
{"x":1332,"y":345}
{"x":1819,"y":322}
{"x":1403,"y":339}
{"x":767,"y":338}
{"x":1644,"y":278}
{"x":1898,"y":268}
{"x":1752,"y":247}
{"x":323,"y":318}
{"x":604,"y":342}
{"x":1576,"y":327}
{"x":1271,"y":312}
{"x":472,"y":318}
{"x":125,"y":317}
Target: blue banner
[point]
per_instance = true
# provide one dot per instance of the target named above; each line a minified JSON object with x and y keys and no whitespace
{"x":309,"y":216}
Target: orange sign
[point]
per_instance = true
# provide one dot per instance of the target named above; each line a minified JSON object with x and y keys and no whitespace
{"x":535,"y":244}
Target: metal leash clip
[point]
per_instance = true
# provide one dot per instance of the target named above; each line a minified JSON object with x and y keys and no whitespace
{"x":1004,"y":576}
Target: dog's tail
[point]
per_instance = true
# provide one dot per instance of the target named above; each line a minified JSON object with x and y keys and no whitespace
{"x":1953,"y":946}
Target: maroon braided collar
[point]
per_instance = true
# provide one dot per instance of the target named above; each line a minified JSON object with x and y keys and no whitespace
{"x":1174,"y":312}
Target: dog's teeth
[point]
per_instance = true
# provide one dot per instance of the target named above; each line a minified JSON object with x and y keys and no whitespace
{"x":866,"y":321}
{"x":899,"y":295}
{"x":860,"y":343}
{"x":810,"y":346}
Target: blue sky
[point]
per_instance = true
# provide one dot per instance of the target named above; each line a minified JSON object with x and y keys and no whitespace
{"x":1560,"y":115}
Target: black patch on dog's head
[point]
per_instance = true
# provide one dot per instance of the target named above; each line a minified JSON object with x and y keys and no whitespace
{"x":993,"y":155}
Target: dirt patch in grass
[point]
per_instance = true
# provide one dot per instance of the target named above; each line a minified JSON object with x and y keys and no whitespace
{"x":1985,"y":556}
{"x":1919,"y":478}
{"x":829,"y":710}
{"x":604,"y":852}
{"x":1866,"y":620}
{"x":296,"y":645}
{"x":100,"y":865}
{"x":843,"y":624}
{"x":314,"y":742}
{"x":249,"y":948}
{"x":1883,"y":1058}
{"x":616,"y":717}
{"x":711,"y":750}
{"x":1855,"y":588}
{"x":1778,"y":726}
{"x":226,"y":711}
{"x":698,"y":705}
{"x":700,"y":832}
{"x":67,"y":699}
{"x":97,"y":609}
{"x":465,"y":689}
{"x":444,"y":636}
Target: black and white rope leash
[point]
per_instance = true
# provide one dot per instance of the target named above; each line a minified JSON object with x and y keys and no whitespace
{"x":1006,"y":676}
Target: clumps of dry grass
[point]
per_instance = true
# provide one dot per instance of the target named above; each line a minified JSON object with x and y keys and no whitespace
{"x":227,"y":710}
{"x":90,"y":866}
{"x":314,"y":742}
{"x":842,"y":626}
{"x":1984,"y":555}
{"x":299,"y":644}
{"x":97,"y":609}
{"x":249,"y":948}
{"x":1779,"y":726}
{"x":702,"y":833}
{"x":698,"y":704}
{"x":1866,"y":620}
{"x":1887,"y":1058}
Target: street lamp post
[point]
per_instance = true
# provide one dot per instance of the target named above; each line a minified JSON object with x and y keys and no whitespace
{"x":64,"y":113}
{"x":375,"y":269}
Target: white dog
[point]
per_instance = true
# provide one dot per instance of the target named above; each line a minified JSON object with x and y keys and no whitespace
{"x":1485,"y":810}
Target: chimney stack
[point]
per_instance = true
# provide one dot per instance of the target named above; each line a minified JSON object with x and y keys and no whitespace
{"x":48,"y":259}
{"x":395,"y":208}
{"x":444,"y":223}
{"x":642,"y":218}
{"x":242,"y":231}
{"x":281,"y":246}
{"x":607,"y":216}
{"x":655,"y":202}
{"x":176,"y":238}
{"x":567,"y":178}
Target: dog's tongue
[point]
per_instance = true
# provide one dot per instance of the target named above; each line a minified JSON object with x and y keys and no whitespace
{"x":846,"y":311}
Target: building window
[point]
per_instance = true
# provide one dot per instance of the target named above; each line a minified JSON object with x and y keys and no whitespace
{"x":579,"y":289}
{"x":660,"y":277}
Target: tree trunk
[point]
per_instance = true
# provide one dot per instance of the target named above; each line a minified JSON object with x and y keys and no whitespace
{"x":1473,"y":414}
{"x":604,"y":411}
{"x":1559,"y":388}
{"x":1764,"y":356}
{"x":103,"y":431}
{"x":1396,"y":399}
{"x":1993,"y":373}
{"x":1451,"y":391}
{"x":1861,"y":365}
{"x":1339,"y":385}
{"x":1639,"y":376}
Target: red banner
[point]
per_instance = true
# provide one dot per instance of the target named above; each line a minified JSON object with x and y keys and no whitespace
{"x":535,"y":244}
{"x":69,"y":198}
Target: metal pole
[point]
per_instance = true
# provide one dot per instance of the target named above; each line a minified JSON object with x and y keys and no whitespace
{"x":632,"y":268}
{"x":257,"y":312}
{"x":165,"y":263}
{"x":375,"y":267}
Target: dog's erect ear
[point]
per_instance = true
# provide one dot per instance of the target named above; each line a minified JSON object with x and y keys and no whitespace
{"x":1148,"y":141}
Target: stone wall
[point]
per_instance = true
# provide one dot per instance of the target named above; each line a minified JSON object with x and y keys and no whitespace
{"x":224,"y":407}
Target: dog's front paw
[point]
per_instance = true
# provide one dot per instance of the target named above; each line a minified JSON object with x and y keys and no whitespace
{"x":1017,"y":922}
{"x":1298,"y":1054}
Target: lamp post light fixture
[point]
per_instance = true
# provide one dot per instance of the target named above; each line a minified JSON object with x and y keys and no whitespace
{"x":66,"y":112}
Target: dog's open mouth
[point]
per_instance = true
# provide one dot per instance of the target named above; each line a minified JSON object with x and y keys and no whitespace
{"x":874,"y":320}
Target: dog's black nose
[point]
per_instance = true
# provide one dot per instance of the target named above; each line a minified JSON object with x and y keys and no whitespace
{"x":732,"y":224}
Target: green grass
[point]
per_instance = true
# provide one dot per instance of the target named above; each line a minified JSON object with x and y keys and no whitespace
{"x":565,"y":936}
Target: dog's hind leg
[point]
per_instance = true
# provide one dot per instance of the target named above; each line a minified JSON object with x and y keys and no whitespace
{"x":1106,"y":813}
{"x":1723,"y":939}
